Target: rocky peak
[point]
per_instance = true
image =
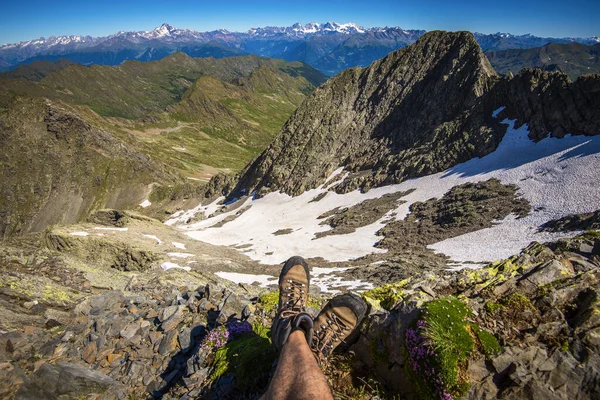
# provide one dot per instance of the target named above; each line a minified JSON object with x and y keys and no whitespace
{"x":418,"y":111}
{"x":367,"y":118}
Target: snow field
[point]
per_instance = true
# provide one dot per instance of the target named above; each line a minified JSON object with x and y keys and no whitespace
{"x":557,"y":176}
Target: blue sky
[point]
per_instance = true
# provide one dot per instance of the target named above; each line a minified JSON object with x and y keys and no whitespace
{"x":29,"y":19}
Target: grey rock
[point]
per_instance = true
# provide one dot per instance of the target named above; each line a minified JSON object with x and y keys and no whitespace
{"x":477,"y":370}
{"x":67,"y":336}
{"x":66,"y":381}
{"x":30,"y":304}
{"x":168,"y":344}
{"x":185,"y":339}
{"x":248,"y":311}
{"x":596,"y":248}
{"x":582,"y":265}
{"x":107,"y":301}
{"x":427,"y":290}
{"x":167,"y":312}
{"x":545,"y":274}
{"x":130,"y":330}
{"x":57,"y":318}
{"x":174,"y":320}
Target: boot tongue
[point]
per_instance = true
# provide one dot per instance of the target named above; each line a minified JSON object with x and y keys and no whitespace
{"x":304,"y":322}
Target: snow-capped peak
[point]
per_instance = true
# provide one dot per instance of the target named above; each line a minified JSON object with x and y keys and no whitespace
{"x":310,"y":28}
{"x":163,"y":30}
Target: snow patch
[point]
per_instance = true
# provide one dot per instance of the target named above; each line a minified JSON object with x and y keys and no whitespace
{"x":179,"y":245}
{"x":153,"y":237}
{"x":182,"y":216}
{"x":557,"y":176}
{"x":169,"y":265}
{"x":263,"y":280}
{"x":99,"y":228}
{"x":145,"y":203}
{"x":82,"y":233}
{"x":319,"y":277}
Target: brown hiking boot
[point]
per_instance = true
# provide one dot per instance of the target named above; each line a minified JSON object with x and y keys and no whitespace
{"x":294,"y":281}
{"x":334,"y":324}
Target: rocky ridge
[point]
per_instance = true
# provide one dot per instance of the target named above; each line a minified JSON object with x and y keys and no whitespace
{"x":57,"y":167}
{"x":528,"y":324}
{"x":420,"y":110}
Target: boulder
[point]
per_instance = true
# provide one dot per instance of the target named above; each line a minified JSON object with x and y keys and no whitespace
{"x":66,"y":380}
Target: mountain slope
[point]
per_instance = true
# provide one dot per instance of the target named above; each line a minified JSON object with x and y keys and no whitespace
{"x":187,"y":118}
{"x":135,"y":89}
{"x":574,"y":59}
{"x":385,"y":117}
{"x":418,"y":111}
{"x":36,"y":70}
{"x":360,"y":50}
{"x":56,"y":168}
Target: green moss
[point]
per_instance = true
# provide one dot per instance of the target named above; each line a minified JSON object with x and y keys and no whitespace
{"x":446,"y":329}
{"x":564,"y":346}
{"x":518,"y":302}
{"x":387,"y":295}
{"x":54,"y":294}
{"x":591,"y":234}
{"x":495,"y":273}
{"x":248,"y":357}
{"x":270,"y":301}
{"x":30,"y":289}
{"x":488,"y":342}
{"x":437,"y":347}
{"x":491,"y":307}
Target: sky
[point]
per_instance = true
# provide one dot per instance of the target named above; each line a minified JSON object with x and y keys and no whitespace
{"x":30,"y":19}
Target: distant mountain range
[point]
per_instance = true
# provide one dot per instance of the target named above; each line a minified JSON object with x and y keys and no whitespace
{"x":573,"y":59}
{"x":329,"y":47}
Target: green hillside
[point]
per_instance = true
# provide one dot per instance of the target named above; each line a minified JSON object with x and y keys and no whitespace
{"x":198,"y":115}
{"x":77,"y":139}
{"x":136,"y":89}
{"x":574,"y":59}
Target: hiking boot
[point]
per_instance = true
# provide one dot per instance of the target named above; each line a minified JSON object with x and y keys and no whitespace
{"x":334,"y":324}
{"x":293,"y":296}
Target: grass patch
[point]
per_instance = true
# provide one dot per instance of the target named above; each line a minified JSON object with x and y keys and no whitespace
{"x":438,"y":346}
{"x":270,"y":301}
{"x":488,"y":343}
{"x":248,"y":357}
{"x":447,"y":334}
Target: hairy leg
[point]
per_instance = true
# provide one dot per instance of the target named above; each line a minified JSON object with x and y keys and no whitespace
{"x":298,"y":375}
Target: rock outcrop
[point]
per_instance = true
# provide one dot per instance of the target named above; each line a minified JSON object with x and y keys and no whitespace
{"x":533,"y":319}
{"x":524,"y":327}
{"x":420,"y":110}
{"x":56,"y":168}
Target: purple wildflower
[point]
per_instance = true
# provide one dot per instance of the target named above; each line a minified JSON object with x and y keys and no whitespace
{"x":421,"y":358}
{"x":221,"y":335}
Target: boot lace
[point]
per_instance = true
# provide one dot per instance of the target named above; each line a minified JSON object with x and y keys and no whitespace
{"x":295,"y":297}
{"x":330,"y":335}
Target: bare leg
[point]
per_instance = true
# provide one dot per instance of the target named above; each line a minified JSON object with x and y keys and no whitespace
{"x":298,"y":375}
